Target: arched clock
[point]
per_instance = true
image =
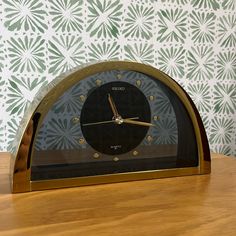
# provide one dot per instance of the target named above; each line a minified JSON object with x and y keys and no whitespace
{"x":108,"y":122}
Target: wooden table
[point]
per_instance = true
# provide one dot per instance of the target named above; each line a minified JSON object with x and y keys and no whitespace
{"x":193,"y":205}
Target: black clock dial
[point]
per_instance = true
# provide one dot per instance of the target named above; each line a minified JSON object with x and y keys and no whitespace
{"x":110,"y":137}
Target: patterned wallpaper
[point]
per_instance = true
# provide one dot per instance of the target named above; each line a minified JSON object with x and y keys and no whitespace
{"x":194,"y":41}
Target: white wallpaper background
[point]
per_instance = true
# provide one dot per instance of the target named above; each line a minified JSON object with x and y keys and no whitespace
{"x":194,"y":41}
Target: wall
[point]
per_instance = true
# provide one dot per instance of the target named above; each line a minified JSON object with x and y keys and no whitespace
{"x":193,"y":41}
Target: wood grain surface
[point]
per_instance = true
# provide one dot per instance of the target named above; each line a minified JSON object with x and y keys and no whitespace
{"x":183,"y":206}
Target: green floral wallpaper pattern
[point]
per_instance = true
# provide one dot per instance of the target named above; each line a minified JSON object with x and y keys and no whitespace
{"x":194,"y":41}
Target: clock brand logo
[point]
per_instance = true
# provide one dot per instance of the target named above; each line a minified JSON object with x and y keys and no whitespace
{"x":115,"y":147}
{"x":118,"y":88}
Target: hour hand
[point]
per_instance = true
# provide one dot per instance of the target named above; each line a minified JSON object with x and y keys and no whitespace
{"x":136,"y":122}
{"x":113,"y":106}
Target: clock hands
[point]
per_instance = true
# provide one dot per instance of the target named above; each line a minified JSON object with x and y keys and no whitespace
{"x":117,"y":119}
{"x":108,"y":121}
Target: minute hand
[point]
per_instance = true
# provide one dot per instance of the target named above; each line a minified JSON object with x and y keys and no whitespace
{"x":135,"y":122}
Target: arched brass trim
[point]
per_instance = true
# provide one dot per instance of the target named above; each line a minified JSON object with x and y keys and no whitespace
{"x":21,"y":181}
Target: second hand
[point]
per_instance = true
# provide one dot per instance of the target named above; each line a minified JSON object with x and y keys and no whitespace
{"x":107,"y":121}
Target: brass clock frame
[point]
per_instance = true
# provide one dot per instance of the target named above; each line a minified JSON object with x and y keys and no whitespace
{"x":24,"y":141}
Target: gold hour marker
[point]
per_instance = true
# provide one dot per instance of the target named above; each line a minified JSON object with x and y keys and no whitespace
{"x":151,"y":98}
{"x":116,"y":159}
{"x":82,"y":98}
{"x":135,"y":153}
{"x":119,"y":76}
{"x":75,"y":120}
{"x":149,"y":138}
{"x":155,"y":117}
{"x":96,"y":155}
{"x":98,"y":82}
{"x":138,"y":83}
{"x":81,"y":141}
